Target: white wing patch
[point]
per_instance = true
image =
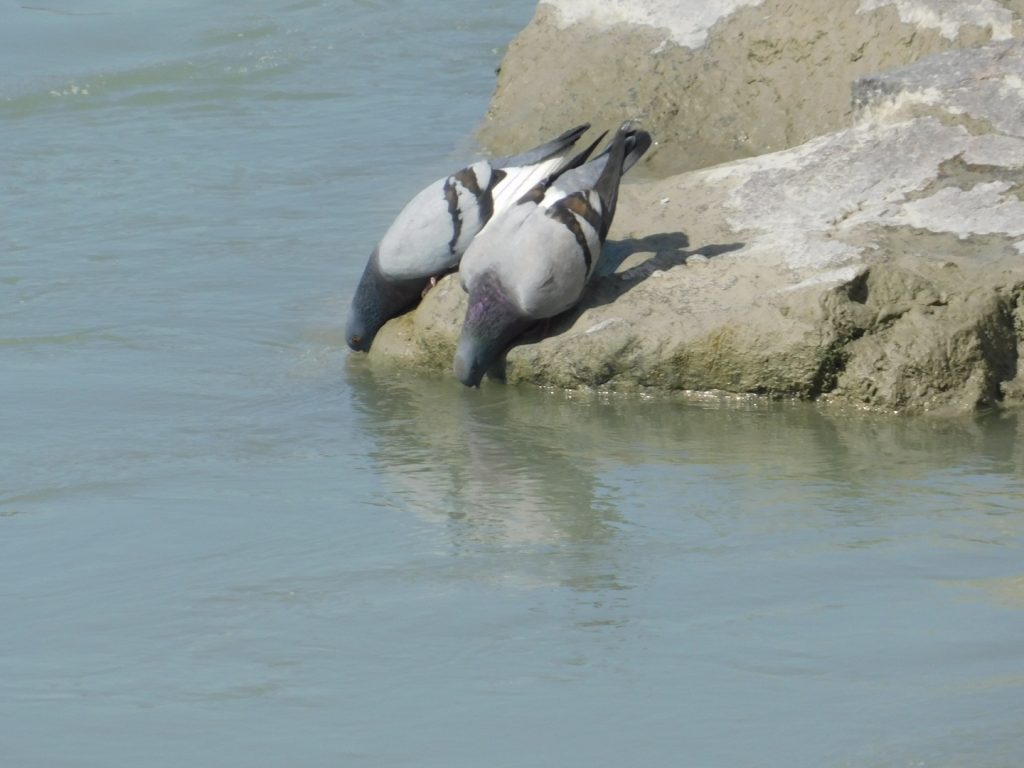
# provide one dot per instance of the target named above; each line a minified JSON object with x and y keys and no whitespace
{"x":521,"y":179}
{"x":469,"y":215}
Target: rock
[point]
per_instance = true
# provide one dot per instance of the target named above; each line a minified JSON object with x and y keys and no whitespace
{"x":880,"y":265}
{"x":980,"y":89}
{"x":718,"y":80}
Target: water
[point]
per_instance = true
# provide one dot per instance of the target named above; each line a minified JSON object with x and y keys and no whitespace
{"x":224,"y":541}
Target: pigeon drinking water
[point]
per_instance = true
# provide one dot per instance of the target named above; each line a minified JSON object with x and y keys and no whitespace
{"x":430,"y":235}
{"x":533,"y":261}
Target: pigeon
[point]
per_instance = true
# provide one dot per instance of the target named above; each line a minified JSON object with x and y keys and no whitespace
{"x":430,"y":235}
{"x":533,"y":261}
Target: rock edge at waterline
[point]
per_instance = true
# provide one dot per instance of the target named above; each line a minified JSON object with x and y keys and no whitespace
{"x":880,"y":265}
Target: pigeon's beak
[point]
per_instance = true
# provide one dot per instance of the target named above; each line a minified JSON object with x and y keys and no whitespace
{"x":356,"y":332}
{"x":468,"y":367}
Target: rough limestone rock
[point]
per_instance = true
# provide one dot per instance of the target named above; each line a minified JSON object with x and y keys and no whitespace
{"x":880,"y":265}
{"x":718,"y":80}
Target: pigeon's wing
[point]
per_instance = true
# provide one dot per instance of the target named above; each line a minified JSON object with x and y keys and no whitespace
{"x":549,"y":149}
{"x":557,"y":246}
{"x":434,"y":229}
{"x":557,"y":250}
{"x":524,"y":171}
{"x":494,"y":244}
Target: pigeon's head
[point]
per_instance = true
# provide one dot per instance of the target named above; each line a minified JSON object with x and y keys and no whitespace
{"x":377,"y":300}
{"x":359,"y":331}
{"x":472,"y":359}
{"x":491,"y":323}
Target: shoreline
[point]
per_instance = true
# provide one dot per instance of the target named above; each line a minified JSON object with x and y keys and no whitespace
{"x":880,"y":265}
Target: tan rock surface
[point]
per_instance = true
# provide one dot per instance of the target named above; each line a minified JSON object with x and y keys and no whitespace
{"x":718,"y":80}
{"x":880,"y":265}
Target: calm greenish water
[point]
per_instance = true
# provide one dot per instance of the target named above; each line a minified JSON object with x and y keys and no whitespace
{"x":224,"y":541}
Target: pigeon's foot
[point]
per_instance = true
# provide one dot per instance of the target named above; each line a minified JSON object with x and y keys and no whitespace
{"x":430,"y":284}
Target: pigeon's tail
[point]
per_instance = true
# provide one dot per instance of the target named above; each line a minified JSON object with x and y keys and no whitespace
{"x":626,"y":148}
{"x":607,"y":184}
{"x":545,"y":151}
{"x":587,"y":175}
{"x":637,"y":142}
{"x":521,"y":173}
{"x":636,"y":145}
{"x":578,"y":160}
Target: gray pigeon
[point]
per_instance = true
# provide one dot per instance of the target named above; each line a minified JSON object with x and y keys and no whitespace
{"x":429,"y":236}
{"x":534,"y":261}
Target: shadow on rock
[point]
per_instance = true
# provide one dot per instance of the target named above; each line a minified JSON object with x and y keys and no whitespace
{"x":665,"y":249}
{"x":668,"y":249}
{"x":615,"y":252}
